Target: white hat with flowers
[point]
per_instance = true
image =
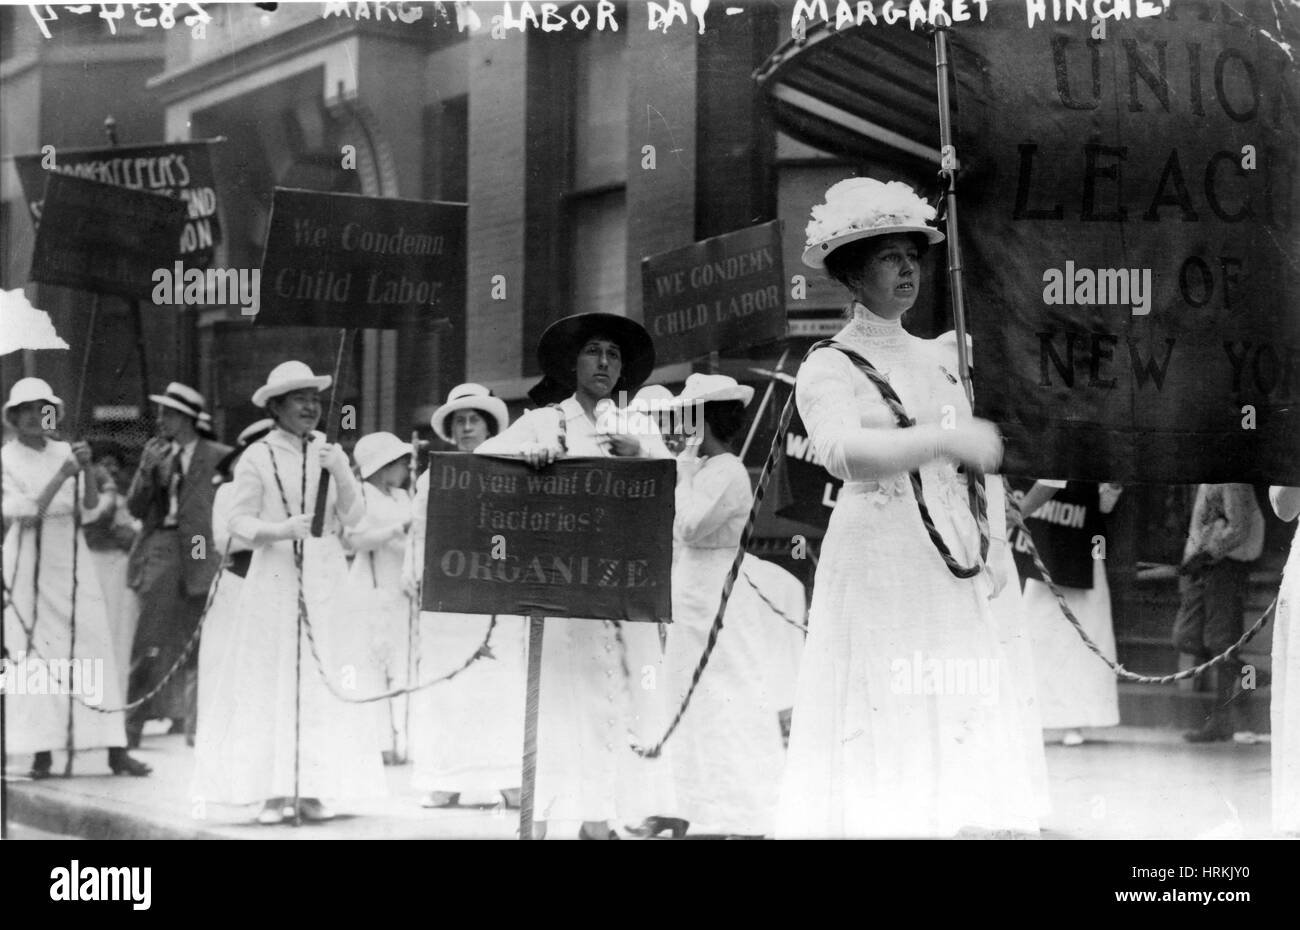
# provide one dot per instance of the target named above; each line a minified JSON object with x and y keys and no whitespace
{"x":856,"y":208}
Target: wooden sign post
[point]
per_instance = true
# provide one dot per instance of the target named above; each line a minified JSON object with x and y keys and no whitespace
{"x":566,"y":554}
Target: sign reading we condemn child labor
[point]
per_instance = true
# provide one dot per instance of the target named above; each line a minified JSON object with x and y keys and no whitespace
{"x":584,"y":537}
{"x":103,"y":238}
{"x":346,"y":261}
{"x":725,"y":292}
{"x":1130,"y":232}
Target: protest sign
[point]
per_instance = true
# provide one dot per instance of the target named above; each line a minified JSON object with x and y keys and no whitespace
{"x":103,"y":238}
{"x":179,"y":169}
{"x":347,"y":261}
{"x":727,"y":292}
{"x":585,"y":537}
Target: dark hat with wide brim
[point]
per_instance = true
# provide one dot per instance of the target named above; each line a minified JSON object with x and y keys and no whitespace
{"x":558,"y":349}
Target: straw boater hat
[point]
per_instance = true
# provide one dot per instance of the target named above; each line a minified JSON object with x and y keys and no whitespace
{"x":252,"y":432}
{"x":375,"y":450}
{"x":182,"y":397}
{"x":203,"y":426}
{"x":469,"y":396}
{"x":26,"y":390}
{"x":559,"y":347}
{"x":288,"y":377}
{"x":857,"y":208}
{"x":703,"y":389}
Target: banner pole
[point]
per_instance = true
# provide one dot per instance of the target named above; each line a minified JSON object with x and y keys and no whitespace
{"x":948,"y":170}
{"x":331,"y":435}
{"x":531,"y":704}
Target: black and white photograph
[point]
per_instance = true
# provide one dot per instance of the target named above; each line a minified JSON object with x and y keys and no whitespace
{"x":767,"y":419}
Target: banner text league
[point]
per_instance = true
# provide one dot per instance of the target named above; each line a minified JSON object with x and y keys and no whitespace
{"x":584,"y":537}
{"x":103,"y":238}
{"x":724,"y":292}
{"x":1146,"y":185}
{"x":180,"y":169}
{"x":346,"y":261}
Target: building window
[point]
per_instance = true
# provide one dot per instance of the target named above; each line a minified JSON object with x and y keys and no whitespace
{"x":446,"y":147}
{"x":596,"y":207}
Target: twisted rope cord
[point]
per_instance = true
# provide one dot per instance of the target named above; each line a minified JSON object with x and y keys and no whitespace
{"x":974,"y":480}
{"x":1018,"y":518}
{"x":801,"y":627}
{"x":178,"y":664}
{"x":304,"y":618}
{"x":977,"y":497}
{"x":773,"y":454}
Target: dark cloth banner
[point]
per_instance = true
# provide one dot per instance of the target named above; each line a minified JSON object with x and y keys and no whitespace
{"x":807,"y":491}
{"x":727,"y":292}
{"x":346,"y":261}
{"x":584,"y":537}
{"x":103,"y":238}
{"x":1129,"y":214}
{"x":180,"y":169}
{"x":1062,"y":531}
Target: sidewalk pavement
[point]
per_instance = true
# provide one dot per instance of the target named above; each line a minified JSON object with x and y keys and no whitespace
{"x":1125,"y":783}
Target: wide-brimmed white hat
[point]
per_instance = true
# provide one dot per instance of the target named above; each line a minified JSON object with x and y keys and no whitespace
{"x":857,"y":208}
{"x":288,"y":377}
{"x":26,"y":390}
{"x":181,"y":397}
{"x":375,"y":450}
{"x":469,"y":396}
{"x":701,"y":389}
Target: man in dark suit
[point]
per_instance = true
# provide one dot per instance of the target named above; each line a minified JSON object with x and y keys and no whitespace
{"x":172,"y":563}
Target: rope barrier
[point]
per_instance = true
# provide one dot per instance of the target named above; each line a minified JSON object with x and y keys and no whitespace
{"x":801,"y":627}
{"x":1013,"y":512}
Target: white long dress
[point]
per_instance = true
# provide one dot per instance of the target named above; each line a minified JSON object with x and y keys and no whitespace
{"x":907,"y":721}
{"x":585,"y":771}
{"x":728,"y":751}
{"x":375,"y":596}
{"x":36,"y":709}
{"x":467,"y":734}
{"x":1285,"y":709}
{"x":254,"y":729}
{"x":216,"y":640}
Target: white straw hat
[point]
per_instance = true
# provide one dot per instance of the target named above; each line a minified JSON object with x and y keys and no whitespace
{"x":254,"y":431}
{"x":26,"y":390}
{"x":701,"y":388}
{"x":375,"y":450}
{"x":857,"y":208}
{"x":288,"y":377}
{"x":469,"y":396}
{"x":181,"y":397}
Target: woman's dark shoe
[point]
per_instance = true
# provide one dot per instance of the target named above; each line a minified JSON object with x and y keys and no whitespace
{"x":42,"y":762}
{"x":653,"y":826}
{"x":122,"y":764}
{"x":584,"y":835}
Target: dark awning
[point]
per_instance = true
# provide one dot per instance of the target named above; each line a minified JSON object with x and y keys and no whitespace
{"x":864,"y":92}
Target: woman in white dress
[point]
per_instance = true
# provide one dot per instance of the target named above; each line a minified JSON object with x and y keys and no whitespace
{"x":466,"y":733}
{"x":1285,"y":710}
{"x":585,"y":771}
{"x":727,"y":752}
{"x":41,"y":545}
{"x":375,"y":589}
{"x":286,"y":735}
{"x":110,"y":537}
{"x":903,"y":725}
{"x":1076,"y":690}
{"x":219,"y":621}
